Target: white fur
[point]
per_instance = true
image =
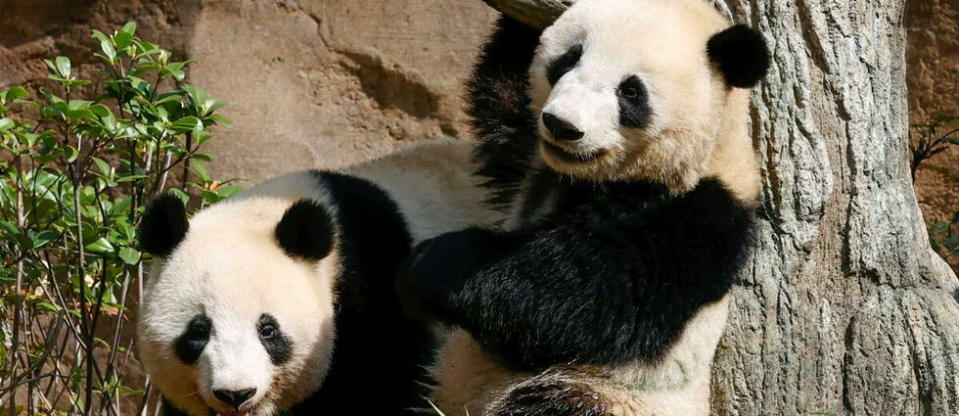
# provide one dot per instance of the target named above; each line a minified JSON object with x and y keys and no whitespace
{"x":699,"y":127}
{"x":230,"y":268}
{"x":663,"y":42}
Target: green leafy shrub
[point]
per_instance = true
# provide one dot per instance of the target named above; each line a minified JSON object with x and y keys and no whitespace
{"x":945,"y":239}
{"x":77,"y":164}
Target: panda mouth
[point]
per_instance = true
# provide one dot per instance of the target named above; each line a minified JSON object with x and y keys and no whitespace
{"x":571,"y":157}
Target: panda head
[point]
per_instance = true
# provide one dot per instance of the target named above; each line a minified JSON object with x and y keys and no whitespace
{"x":640,"y":89}
{"x":237,"y":315}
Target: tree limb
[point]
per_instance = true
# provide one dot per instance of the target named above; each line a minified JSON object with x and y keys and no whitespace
{"x":536,"y":13}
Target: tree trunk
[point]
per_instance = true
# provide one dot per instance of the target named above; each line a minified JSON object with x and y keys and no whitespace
{"x":844,"y":308}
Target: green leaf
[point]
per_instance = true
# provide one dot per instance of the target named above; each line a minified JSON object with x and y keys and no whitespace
{"x":186,"y":124}
{"x":49,"y":306}
{"x":44,"y":237}
{"x":202,"y":156}
{"x":14,"y":94}
{"x":100,"y":35}
{"x":75,"y":105}
{"x":100,"y":246}
{"x":129,"y":256}
{"x":228,"y":190}
{"x":104,"y":167}
{"x":130,"y":28}
{"x":6,"y":124}
{"x":63,"y":66}
{"x":123,"y":40}
{"x":101,"y":111}
{"x":199,"y":169}
{"x":106,"y":45}
{"x":70,"y":153}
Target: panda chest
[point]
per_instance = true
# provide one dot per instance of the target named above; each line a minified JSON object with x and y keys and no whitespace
{"x":540,"y":197}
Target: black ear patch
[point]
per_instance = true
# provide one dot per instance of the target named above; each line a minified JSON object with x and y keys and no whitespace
{"x":742,"y":55}
{"x":306,"y":230}
{"x":163,"y":225}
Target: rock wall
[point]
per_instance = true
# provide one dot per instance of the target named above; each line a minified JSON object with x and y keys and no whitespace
{"x":308,"y":83}
{"x":933,"y":58}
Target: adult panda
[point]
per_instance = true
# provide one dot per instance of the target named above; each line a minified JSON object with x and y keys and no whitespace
{"x":619,"y":138}
{"x":281,"y":300}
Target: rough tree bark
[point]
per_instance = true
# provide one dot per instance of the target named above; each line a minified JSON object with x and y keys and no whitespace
{"x":844,"y":307}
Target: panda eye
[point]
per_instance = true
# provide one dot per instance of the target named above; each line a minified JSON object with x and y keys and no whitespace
{"x":267,"y":331}
{"x":276,"y":343}
{"x":629,"y":92}
{"x":634,"y":110}
{"x":191,"y":343}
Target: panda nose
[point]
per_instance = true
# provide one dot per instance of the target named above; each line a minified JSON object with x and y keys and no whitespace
{"x":234,"y":397}
{"x":561,"y":129}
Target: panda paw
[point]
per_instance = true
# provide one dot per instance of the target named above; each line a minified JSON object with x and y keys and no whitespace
{"x":551,"y":398}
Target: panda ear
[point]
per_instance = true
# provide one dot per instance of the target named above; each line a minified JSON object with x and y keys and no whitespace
{"x":741,"y":54}
{"x":163,"y":226}
{"x":306,"y":231}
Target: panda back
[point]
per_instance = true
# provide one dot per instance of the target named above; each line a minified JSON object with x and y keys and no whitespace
{"x":433,"y":187}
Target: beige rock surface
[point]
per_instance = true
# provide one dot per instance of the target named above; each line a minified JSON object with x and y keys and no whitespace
{"x":933,"y":58}
{"x":308,"y":83}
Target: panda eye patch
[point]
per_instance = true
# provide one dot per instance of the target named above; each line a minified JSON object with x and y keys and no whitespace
{"x":634,"y":111}
{"x":564,"y":64}
{"x":276,"y":343}
{"x":189,"y":345}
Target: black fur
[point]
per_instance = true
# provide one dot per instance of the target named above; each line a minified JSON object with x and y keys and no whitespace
{"x":163,"y":226}
{"x":633,"y":99}
{"x":553,"y":398}
{"x":189,"y":345}
{"x":499,"y":108}
{"x":305,"y":231}
{"x":277,"y":344}
{"x":564,"y":64}
{"x":611,"y":275}
{"x":380,"y":352}
{"x":741,"y":54}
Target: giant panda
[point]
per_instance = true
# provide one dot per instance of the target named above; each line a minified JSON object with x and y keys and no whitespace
{"x":281,"y":300}
{"x":618,"y":139}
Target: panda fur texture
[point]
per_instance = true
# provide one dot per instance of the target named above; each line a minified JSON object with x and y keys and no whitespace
{"x":619,"y":139}
{"x":281,"y":300}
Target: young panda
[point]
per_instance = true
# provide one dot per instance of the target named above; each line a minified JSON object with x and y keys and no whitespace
{"x":281,"y":300}
{"x":620,"y":138}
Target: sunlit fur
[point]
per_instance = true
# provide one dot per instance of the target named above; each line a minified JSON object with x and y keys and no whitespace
{"x":698,"y":125}
{"x":471,"y":382}
{"x":230,"y":267}
{"x":698,"y":128}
